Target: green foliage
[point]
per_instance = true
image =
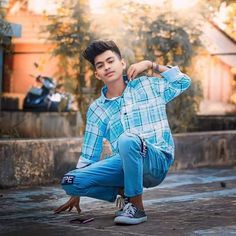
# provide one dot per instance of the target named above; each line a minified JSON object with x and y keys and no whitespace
{"x":182,"y":110}
{"x":168,"y":42}
{"x":69,"y":31}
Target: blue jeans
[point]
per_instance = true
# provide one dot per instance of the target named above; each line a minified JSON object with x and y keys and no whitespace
{"x":137,"y":165}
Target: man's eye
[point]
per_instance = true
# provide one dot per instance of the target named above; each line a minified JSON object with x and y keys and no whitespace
{"x":99,"y":67}
{"x":111,"y":61}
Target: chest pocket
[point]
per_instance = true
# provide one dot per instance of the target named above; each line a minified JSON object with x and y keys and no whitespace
{"x":146,"y":90}
{"x":143,"y":114}
{"x":146,"y":100}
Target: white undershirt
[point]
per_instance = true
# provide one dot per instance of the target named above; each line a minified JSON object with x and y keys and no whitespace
{"x":114,"y":98}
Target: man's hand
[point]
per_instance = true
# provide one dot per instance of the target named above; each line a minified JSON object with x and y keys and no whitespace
{"x":72,"y":202}
{"x":138,"y":68}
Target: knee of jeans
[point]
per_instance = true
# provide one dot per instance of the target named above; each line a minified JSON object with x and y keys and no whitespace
{"x":127,"y":140}
{"x":73,"y":180}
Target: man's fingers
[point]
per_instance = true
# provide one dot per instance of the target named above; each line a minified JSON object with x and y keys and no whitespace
{"x":134,"y":74}
{"x":58,"y":210}
{"x":136,"y":69}
{"x":78,"y":209}
{"x":131,"y":73}
{"x":61,"y":208}
{"x":74,"y":201}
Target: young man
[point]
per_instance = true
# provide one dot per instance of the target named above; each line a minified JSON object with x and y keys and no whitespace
{"x":131,"y":115}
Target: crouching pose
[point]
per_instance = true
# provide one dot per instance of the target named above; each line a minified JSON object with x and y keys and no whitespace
{"x":131,"y":115}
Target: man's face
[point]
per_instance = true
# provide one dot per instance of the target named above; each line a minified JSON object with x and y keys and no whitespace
{"x":108,"y":67}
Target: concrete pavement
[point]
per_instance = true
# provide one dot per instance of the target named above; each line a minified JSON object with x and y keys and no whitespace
{"x":190,"y":202}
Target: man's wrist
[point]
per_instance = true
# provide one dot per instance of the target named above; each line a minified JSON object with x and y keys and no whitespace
{"x":156,"y":68}
{"x":148,"y":64}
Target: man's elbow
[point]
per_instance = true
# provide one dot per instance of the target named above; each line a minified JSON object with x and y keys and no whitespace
{"x":187,"y":82}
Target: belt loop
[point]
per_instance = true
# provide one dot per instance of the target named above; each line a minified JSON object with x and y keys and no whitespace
{"x":143,"y":147}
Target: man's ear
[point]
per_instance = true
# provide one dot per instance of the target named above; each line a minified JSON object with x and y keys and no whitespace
{"x":123,"y":63}
{"x":96,"y":75}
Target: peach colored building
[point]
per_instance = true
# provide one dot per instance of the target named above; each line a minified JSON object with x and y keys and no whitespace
{"x":215,"y":65}
{"x":29,"y":49}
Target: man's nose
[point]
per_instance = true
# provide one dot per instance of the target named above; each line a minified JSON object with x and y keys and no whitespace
{"x":107,"y":66}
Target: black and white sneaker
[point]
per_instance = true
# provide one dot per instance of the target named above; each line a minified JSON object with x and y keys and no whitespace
{"x":131,"y":215}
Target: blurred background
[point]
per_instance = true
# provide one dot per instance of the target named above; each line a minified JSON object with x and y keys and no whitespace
{"x":46,"y":38}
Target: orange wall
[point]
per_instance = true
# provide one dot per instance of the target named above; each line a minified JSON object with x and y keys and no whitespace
{"x":31,"y":47}
{"x":22,"y":66}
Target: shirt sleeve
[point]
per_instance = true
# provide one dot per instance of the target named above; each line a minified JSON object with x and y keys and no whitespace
{"x":92,"y":143}
{"x":174,"y":82}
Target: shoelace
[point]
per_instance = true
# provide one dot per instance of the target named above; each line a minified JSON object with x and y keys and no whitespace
{"x":129,"y":210}
{"x":120,"y":202}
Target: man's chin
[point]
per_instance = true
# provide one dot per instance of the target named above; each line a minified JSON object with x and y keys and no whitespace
{"x":112,"y":79}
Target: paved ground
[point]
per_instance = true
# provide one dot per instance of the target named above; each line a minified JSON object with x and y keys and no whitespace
{"x":194,"y":202}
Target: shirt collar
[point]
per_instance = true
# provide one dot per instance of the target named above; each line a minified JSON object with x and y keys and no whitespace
{"x":104,"y":90}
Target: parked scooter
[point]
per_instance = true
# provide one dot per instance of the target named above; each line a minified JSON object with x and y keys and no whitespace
{"x":47,"y":97}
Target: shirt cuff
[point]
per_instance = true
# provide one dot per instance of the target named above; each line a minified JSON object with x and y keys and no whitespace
{"x":173,"y":74}
{"x":82,"y":162}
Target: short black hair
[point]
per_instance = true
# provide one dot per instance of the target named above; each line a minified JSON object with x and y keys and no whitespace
{"x":97,"y":47}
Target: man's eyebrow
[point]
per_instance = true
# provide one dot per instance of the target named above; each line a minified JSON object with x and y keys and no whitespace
{"x":109,"y":58}
{"x":100,"y":62}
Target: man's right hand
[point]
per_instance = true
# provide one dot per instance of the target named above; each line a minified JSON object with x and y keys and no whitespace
{"x":138,"y":68}
{"x":72,"y":202}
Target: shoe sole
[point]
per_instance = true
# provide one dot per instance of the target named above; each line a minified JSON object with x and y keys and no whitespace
{"x":129,"y":221}
{"x":118,"y":213}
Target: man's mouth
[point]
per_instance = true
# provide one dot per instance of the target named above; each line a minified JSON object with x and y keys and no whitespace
{"x":109,"y":73}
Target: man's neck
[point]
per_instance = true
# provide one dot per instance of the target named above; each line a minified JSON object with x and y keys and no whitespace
{"x":116,"y":88}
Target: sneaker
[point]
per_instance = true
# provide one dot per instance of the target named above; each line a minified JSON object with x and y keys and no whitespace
{"x":120,"y":203}
{"x":131,"y":215}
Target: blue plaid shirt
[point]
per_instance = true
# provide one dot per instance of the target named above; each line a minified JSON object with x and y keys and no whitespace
{"x":141,"y":110}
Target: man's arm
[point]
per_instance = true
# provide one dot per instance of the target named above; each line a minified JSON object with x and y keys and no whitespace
{"x":172,"y":81}
{"x":142,"y":66}
{"x":92,"y":145}
{"x":93,"y":138}
{"x":91,"y":152}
